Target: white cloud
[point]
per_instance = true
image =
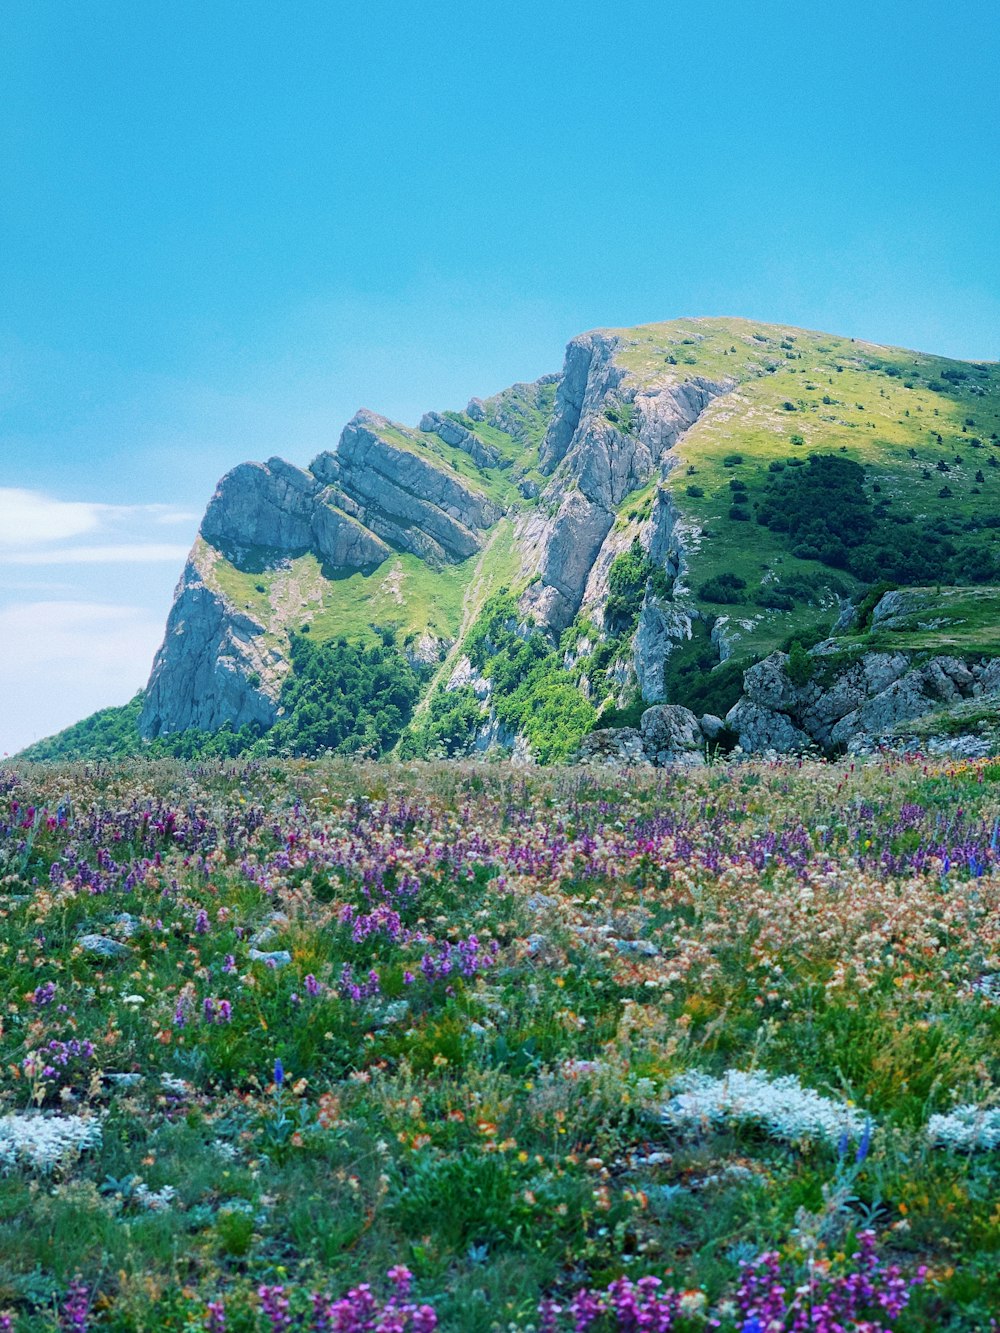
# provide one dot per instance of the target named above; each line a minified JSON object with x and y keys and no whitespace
{"x":118,"y":553}
{"x":29,"y":516}
{"x":161,"y":514}
{"x":62,"y":660}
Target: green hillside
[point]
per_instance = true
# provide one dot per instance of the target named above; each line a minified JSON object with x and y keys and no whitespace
{"x":820,"y":466}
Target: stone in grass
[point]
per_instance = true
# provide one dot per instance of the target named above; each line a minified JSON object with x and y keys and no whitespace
{"x":102,"y":946}
{"x":276,"y":958}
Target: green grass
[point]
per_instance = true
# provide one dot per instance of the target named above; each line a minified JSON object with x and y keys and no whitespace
{"x":498,"y":1132}
{"x":871,"y":416}
{"x":964,"y":621}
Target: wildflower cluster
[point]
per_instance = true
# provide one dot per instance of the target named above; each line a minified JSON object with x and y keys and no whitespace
{"x":547,"y":1036}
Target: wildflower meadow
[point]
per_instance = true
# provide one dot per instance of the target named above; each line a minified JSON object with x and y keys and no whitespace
{"x":326,"y":1045}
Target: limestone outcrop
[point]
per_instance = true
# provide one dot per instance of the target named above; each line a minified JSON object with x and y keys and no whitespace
{"x":851,"y":699}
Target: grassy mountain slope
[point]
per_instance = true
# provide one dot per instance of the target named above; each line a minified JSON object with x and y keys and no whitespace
{"x":757,"y":487}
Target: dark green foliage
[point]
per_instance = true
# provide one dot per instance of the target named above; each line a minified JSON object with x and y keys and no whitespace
{"x":112,"y":732}
{"x":728,"y":589}
{"x":532,"y":694}
{"x":447,"y":729}
{"x":800,"y":664}
{"x":801,"y":588}
{"x":345,"y":697}
{"x":629,"y":715}
{"x":694,"y":677}
{"x":823,"y":507}
{"x":695,"y":492}
{"x":630,"y":573}
{"x":828,"y":517}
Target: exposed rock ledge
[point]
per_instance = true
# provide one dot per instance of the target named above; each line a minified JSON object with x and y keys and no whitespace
{"x":851,"y":701}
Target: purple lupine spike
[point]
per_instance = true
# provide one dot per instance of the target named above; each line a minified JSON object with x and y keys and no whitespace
{"x":274,"y":1304}
{"x":75,"y":1315}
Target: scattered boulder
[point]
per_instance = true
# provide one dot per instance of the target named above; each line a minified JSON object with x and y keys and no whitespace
{"x":275,"y":958}
{"x":711,"y":726}
{"x":613,"y":745}
{"x":671,"y":734}
{"x":103,"y":946}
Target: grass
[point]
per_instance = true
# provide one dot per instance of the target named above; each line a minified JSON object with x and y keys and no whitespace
{"x":403,"y":592}
{"x":963,"y":621}
{"x":881,"y":406}
{"x":497,"y":1128}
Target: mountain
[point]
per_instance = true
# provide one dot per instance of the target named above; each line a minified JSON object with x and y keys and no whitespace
{"x":680,"y":502}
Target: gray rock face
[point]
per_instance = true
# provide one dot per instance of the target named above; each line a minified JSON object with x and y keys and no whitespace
{"x":850,"y":702}
{"x":596,"y":460}
{"x":262,"y":504}
{"x":204,"y":672}
{"x":662,"y":626}
{"x":671,"y":735}
{"x":761,"y":729}
{"x":615,"y":746}
{"x":343,"y":542}
{"x":275,"y":507}
{"x":457,"y":435}
{"x":989,"y":680}
{"x":402,"y":497}
{"x":588,"y":375}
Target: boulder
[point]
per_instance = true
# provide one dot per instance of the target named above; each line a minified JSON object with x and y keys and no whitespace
{"x":616,"y":746}
{"x":671,"y":734}
{"x":762,"y":729}
{"x":102,"y":946}
{"x":711,"y":725}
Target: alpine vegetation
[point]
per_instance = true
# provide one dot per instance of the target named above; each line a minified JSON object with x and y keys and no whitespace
{"x":341,"y":1045}
{"x":780,"y":1106}
{"x":43,"y":1141}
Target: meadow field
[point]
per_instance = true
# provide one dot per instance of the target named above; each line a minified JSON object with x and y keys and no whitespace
{"x":341,"y":1046}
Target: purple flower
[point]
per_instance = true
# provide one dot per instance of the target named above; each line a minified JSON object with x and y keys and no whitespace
{"x":216,"y":1317}
{"x":76,"y":1308}
{"x":274,"y":1303}
{"x":279,"y":1072}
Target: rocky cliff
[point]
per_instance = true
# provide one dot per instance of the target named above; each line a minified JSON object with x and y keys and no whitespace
{"x":653,"y":512}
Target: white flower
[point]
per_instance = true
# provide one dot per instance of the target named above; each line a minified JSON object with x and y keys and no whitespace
{"x":155,"y":1200}
{"x":780,"y":1105}
{"x":43,"y":1141}
{"x":967,"y":1127}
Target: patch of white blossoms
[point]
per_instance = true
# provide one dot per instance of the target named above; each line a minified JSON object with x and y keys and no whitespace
{"x":781,"y":1106}
{"x":966,"y":1129}
{"x":44,"y":1141}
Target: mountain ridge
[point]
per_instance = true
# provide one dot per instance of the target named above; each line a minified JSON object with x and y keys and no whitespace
{"x":692,"y":457}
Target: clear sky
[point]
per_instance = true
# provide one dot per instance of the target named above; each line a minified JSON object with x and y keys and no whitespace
{"x":225,"y":226}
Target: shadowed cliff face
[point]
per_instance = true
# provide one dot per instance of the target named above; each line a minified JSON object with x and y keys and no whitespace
{"x":597,"y":432}
{"x":664,"y":450}
{"x":595,"y":463}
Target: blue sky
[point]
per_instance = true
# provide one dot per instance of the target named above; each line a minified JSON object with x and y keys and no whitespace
{"x":225,"y":227}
